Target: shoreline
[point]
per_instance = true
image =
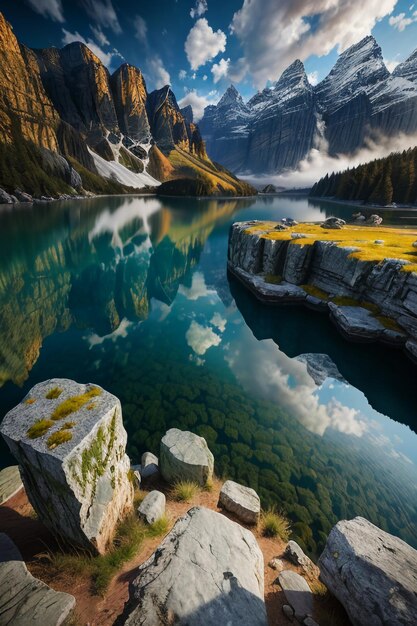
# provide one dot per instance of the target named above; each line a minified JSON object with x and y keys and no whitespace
{"x":357,"y":203}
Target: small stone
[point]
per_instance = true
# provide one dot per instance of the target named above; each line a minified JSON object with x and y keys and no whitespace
{"x":276,"y":564}
{"x":10,"y":482}
{"x":243,"y":501}
{"x":309,"y":621}
{"x":295,"y":555}
{"x":149,"y":465}
{"x":376,"y":220}
{"x":5,"y":198}
{"x":298,"y":236}
{"x":280,"y":227}
{"x":414,"y":244}
{"x":288,"y":611}
{"x":24,"y":598}
{"x":333,"y":223}
{"x":297,"y":593}
{"x":185,"y":456}
{"x":152,"y":507}
{"x":379,"y":242}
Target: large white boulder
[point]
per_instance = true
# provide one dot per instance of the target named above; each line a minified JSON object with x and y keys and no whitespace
{"x":241,"y":501}
{"x":185,"y":456}
{"x":70,"y":443}
{"x":208,"y":570}
{"x":372,"y":573}
{"x":152,"y":507}
{"x":25,"y":599}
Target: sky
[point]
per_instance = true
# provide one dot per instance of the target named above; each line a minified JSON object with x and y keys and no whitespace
{"x":200,"y":47}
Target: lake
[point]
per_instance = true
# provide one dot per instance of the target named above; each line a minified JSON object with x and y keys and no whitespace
{"x":132,"y":293}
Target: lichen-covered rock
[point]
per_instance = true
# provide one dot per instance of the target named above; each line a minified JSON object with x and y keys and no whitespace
{"x":70,"y":442}
{"x":25,"y":599}
{"x":208,"y":570}
{"x":152,"y":507}
{"x":372,"y":573}
{"x":242,"y":501}
{"x":10,"y":482}
{"x":185,"y":456}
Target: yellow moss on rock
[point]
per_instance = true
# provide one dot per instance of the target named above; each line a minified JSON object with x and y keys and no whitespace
{"x":73,"y":404}
{"x":39,"y":428}
{"x":58,"y":437}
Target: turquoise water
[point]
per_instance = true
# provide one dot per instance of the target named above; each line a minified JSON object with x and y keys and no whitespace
{"x":132,"y":293}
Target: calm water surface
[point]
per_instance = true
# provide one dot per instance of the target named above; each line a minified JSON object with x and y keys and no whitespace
{"x":132,"y":293}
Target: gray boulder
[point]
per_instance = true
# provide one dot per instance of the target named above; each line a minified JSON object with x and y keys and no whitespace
{"x":152,"y":507}
{"x":5,"y":198}
{"x":297,"y":593}
{"x":70,"y":442}
{"x":10,"y":482}
{"x":375,"y":220}
{"x":295,"y":555}
{"x":22,"y":196}
{"x":185,"y":456}
{"x":372,"y":573}
{"x":208,"y":570}
{"x":25,"y":599}
{"x":333,"y":223}
{"x":241,"y":501}
{"x":149,"y":465}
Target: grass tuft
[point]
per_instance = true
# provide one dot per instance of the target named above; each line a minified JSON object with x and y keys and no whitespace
{"x":58,"y":437}
{"x":39,"y":428}
{"x":275,"y":524}
{"x":158,"y":528}
{"x":53,"y":393}
{"x":71,"y":405}
{"x":184,"y":490}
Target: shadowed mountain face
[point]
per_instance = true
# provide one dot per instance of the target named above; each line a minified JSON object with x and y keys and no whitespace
{"x":280,"y":125}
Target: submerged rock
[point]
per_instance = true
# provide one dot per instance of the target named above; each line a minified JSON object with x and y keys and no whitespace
{"x":208,"y":570}
{"x":372,"y":573}
{"x":185,"y":456}
{"x":10,"y":482}
{"x":152,"y":507}
{"x":70,"y":443}
{"x":242,"y":501}
{"x":25,"y":599}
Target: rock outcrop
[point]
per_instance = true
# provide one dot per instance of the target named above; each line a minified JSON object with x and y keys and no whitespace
{"x":280,"y":125}
{"x":70,"y":443}
{"x":372,"y":573}
{"x":185,"y":456}
{"x":330,"y":269}
{"x":25,"y":599}
{"x":242,"y":501}
{"x":208,"y":570}
{"x":10,"y":482}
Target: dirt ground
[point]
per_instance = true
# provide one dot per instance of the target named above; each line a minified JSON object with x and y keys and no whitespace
{"x":18,"y":520}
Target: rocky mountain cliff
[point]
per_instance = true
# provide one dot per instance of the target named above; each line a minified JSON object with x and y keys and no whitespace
{"x":73,"y":125}
{"x":280,"y":125}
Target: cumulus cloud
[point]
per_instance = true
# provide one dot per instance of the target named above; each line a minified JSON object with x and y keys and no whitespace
{"x":105,"y":57}
{"x":199,"y":102}
{"x":141,"y":29}
{"x":318,"y":163}
{"x":219,"y":322}
{"x":200,"y":338}
{"x":121,"y":331}
{"x":182,"y":74}
{"x":159,"y":74}
{"x":276,"y":377}
{"x":401,"y":21}
{"x":199,"y":8}
{"x":198,"y":287}
{"x":313,"y":78}
{"x":220,"y":70}
{"x":103,"y":13}
{"x":48,"y":8}
{"x":287,"y":33}
{"x":203,"y":43}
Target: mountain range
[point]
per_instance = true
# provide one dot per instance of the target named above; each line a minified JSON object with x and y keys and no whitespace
{"x":278,"y":127}
{"x":67,"y":126}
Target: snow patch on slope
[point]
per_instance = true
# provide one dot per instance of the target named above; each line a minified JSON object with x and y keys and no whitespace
{"x":117,"y":171}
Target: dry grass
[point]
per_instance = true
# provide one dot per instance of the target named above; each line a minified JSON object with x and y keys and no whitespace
{"x":71,"y":405}
{"x":398,"y":242}
{"x":184,"y":491}
{"x":53,"y":393}
{"x":39,"y":428}
{"x":275,"y":524}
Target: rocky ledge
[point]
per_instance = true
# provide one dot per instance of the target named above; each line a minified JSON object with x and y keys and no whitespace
{"x":368,"y":300}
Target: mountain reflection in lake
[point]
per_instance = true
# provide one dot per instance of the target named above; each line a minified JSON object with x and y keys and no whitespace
{"x":132,"y":293}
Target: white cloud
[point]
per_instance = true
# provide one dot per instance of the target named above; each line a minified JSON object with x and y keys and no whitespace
{"x":141,"y":29}
{"x":199,"y":9}
{"x":203,"y":43}
{"x":103,"y":13}
{"x":105,"y":57}
{"x":391,"y":65}
{"x":200,"y":338}
{"x":99,"y":36}
{"x":49,"y":8}
{"x":287,"y":33}
{"x":400,"y":21}
{"x":219,"y":322}
{"x":158,"y":74}
{"x":319,"y":162}
{"x":121,"y":331}
{"x":198,"y":287}
{"x":220,"y":70}
{"x":205,"y":77}
{"x":199,"y":102}
{"x":313,"y":78}
{"x":182,"y":74}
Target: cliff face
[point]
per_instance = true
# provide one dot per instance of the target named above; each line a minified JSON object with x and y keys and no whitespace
{"x":130,"y":96}
{"x":25,"y":107}
{"x":280,"y":125}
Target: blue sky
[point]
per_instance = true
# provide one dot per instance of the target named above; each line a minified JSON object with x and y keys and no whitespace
{"x":201,"y":46}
